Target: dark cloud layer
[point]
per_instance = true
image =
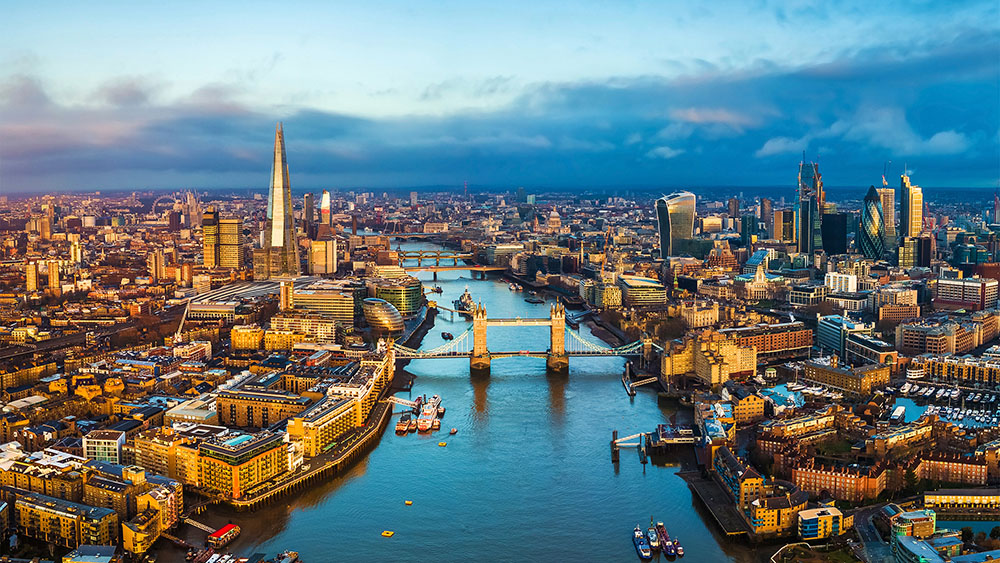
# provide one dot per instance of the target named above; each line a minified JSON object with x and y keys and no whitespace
{"x":934,"y":105}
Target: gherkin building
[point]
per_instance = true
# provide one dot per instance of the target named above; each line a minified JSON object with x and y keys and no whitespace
{"x":871,"y":235}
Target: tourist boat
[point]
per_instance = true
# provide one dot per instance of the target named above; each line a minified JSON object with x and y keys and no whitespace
{"x":653,"y":538}
{"x":453,"y":431}
{"x":437,"y":289}
{"x":641,"y":547}
{"x":447,"y":335}
{"x":413,"y":425}
{"x":428,"y":414}
{"x":223,"y":536}
{"x":465,"y":302}
{"x":665,"y":544}
{"x":403,"y":424}
{"x":510,"y":286}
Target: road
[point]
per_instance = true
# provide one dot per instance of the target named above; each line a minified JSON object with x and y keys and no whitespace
{"x":875,"y":550}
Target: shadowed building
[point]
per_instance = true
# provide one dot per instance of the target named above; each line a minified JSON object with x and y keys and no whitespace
{"x":279,"y":256}
{"x":674,"y":220}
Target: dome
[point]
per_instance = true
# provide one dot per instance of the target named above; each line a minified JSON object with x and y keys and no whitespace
{"x":382,"y":316}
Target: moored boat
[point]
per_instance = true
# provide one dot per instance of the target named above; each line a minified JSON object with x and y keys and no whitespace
{"x":653,"y":538}
{"x":678,"y":548}
{"x":665,"y":543}
{"x":404,"y":423}
{"x":641,"y":547}
{"x":428,"y":414}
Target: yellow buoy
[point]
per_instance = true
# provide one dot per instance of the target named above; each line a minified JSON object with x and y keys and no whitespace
{"x":409,"y":502}
{"x":442,"y":444}
{"x":388,"y":533}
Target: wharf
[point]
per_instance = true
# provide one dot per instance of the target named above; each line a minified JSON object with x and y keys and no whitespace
{"x":717,"y":502}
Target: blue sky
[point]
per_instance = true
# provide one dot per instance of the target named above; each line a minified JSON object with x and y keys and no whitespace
{"x":559,"y":94}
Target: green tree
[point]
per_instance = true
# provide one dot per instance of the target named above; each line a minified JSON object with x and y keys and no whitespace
{"x":995,"y":533}
{"x":967,"y":534}
{"x":911,"y":480}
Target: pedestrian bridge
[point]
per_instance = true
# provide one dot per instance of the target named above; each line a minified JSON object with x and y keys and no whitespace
{"x":472,"y":343}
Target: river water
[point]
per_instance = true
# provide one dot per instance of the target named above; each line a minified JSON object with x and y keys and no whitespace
{"x":528,"y":476}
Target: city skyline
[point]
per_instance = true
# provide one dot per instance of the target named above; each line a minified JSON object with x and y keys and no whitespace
{"x":621,"y":104}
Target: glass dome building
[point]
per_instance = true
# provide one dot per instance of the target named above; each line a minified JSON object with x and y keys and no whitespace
{"x":382,"y":316}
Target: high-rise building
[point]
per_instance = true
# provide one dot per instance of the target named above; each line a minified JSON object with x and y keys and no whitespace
{"x":324,"y":208}
{"x":45,"y":228}
{"x":996,"y":209}
{"x":911,"y":207}
{"x":674,"y":220}
{"x":812,"y":200}
{"x":174,"y":221}
{"x":834,"y":229}
{"x":155,"y":265}
{"x":210,"y":237}
{"x":279,"y":256}
{"x":734,"y":207}
{"x":54,"y":285}
{"x":783,"y":226}
{"x":31,"y":276}
{"x":308,"y":212}
{"x":76,"y":252}
{"x":888,"y":196}
{"x":231,"y":243}
{"x":767,"y":215}
{"x":413,"y":199}
{"x":323,"y":257}
{"x":871,"y":235}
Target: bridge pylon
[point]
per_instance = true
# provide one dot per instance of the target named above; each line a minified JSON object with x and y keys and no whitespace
{"x":557,"y":361}
{"x":479,"y":362}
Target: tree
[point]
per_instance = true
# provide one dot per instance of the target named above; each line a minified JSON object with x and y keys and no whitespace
{"x":967,"y":534}
{"x":911,"y":480}
{"x":995,"y":533}
{"x":980,"y":537}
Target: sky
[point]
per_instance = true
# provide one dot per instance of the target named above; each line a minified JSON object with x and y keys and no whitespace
{"x":112,"y":95}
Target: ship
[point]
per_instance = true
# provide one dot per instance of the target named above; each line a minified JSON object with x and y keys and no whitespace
{"x":437,"y":289}
{"x":653,"y":538}
{"x":465,"y":302}
{"x":223,"y":536}
{"x":428,"y":414}
{"x":641,"y":547}
{"x":534,"y":299}
{"x":403,"y":425}
{"x":447,"y":335}
{"x":665,"y":543}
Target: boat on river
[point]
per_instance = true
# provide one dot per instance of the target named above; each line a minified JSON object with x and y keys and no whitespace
{"x":447,"y":336}
{"x":428,"y":414}
{"x":665,"y":544}
{"x":653,"y":538}
{"x":534,"y":299}
{"x":403,"y":425}
{"x":641,"y":546}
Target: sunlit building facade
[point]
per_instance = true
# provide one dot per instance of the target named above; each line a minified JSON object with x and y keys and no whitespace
{"x":382,"y":316}
{"x":279,"y":256}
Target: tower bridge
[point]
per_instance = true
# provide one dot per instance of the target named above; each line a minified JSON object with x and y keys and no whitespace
{"x":472,"y":343}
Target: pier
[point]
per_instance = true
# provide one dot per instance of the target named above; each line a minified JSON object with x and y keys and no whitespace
{"x":717,"y":501}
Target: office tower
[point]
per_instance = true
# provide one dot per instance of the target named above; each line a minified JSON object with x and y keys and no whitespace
{"x":749,"y":229}
{"x":674,"y":221}
{"x":231,"y":243}
{"x":834,"y":229}
{"x":324,"y":208}
{"x":285,"y":297}
{"x":413,"y":199}
{"x":210,"y":233}
{"x":174,"y":221}
{"x":996,"y":209}
{"x":31,"y":276}
{"x":888,"y":196}
{"x":812,"y":200}
{"x":280,"y":254}
{"x":45,"y":228}
{"x":323,"y":257}
{"x":734,"y":207}
{"x":871,"y":235}
{"x":193,"y":208}
{"x":911,"y":206}
{"x":522,"y":195}
{"x":76,"y":252}
{"x":767,"y":216}
{"x":784,"y":226}
{"x":54,"y":277}
{"x":308,"y":213}
{"x":155,"y":265}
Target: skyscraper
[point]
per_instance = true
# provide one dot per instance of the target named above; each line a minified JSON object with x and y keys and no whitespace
{"x":871,"y":235}
{"x":812,"y":200}
{"x":54,"y":285}
{"x":324,"y":208}
{"x":911,"y":208}
{"x":767,"y":215}
{"x":734,"y":207}
{"x":783,"y":228}
{"x":996,"y":208}
{"x":323,"y":257}
{"x":231,"y":243}
{"x":308,"y":213}
{"x":834,"y":228}
{"x":674,"y":220}
{"x":31,"y":276}
{"x":413,"y":199}
{"x":155,"y":264}
{"x":210,"y":238}
{"x":279,"y":256}
{"x":888,"y":196}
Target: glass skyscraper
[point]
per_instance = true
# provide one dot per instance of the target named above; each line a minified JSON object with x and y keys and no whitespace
{"x":812,"y":201}
{"x":674,"y":221}
{"x":911,"y":208}
{"x":279,"y":255}
{"x":871,"y":235}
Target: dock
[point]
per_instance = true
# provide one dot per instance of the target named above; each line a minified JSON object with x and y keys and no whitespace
{"x":718,"y":503}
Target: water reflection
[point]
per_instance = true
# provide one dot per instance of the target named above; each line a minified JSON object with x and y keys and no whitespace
{"x":557,"y":398}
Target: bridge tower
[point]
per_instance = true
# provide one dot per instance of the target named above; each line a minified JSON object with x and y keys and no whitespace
{"x":479,"y":363}
{"x":557,"y":361}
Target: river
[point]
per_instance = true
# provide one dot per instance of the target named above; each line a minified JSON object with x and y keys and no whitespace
{"x":528,"y":476}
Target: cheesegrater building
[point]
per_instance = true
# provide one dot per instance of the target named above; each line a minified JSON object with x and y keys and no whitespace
{"x":279,"y":255}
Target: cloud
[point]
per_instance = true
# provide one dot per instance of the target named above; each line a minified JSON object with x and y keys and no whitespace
{"x":937,"y":109}
{"x":664,"y":152}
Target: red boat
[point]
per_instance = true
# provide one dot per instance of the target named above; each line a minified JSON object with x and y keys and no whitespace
{"x":223,"y":536}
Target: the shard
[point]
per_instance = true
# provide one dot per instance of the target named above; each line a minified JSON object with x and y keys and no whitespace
{"x":278,"y":257}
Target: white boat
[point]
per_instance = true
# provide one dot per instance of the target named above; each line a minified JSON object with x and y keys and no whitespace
{"x":905,"y":388}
